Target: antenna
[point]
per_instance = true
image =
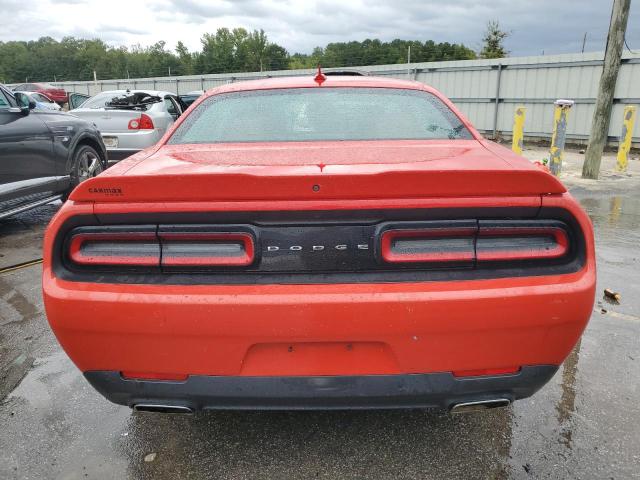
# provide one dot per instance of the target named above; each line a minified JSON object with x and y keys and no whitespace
{"x":320,"y":77}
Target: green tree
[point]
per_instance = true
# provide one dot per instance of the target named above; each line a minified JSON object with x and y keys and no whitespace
{"x":185,"y":59}
{"x":217,"y":52}
{"x":493,"y":41}
{"x":226,"y":50}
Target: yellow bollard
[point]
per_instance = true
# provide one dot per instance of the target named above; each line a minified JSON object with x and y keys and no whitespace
{"x":625,"y":137}
{"x":559,"y":135}
{"x":518,"y":130}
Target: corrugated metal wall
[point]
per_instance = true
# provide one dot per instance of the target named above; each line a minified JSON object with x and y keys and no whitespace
{"x":476,"y":86}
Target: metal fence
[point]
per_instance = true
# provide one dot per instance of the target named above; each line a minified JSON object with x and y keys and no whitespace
{"x":487,"y":91}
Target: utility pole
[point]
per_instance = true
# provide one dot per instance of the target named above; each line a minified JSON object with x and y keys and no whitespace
{"x":409,"y":61}
{"x":604,"y":102}
{"x":584,"y":41}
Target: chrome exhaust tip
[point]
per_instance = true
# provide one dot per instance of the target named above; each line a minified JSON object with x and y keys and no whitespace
{"x":172,"y":409}
{"x":480,"y":405}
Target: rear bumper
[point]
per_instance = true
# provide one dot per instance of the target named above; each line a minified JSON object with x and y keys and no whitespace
{"x":310,"y":330}
{"x":435,"y":390}
{"x":129,"y":142}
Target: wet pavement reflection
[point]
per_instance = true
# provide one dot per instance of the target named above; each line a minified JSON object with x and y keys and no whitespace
{"x":583,"y":424}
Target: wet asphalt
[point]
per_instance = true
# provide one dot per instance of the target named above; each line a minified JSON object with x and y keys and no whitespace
{"x":584,"y":424}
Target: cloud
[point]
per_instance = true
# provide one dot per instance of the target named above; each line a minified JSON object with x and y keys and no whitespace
{"x":552,"y":26}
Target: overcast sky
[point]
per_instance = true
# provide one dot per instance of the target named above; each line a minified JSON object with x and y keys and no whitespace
{"x":552,"y":26}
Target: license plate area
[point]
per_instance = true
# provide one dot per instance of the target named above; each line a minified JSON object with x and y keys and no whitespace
{"x":110,"y":142}
{"x":319,"y":358}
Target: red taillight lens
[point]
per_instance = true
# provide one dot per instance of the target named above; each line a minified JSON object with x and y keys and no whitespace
{"x":428,"y":245}
{"x":521,"y":243}
{"x":486,"y":372}
{"x":115,"y":248}
{"x":205,"y":249}
{"x":144,"y":122}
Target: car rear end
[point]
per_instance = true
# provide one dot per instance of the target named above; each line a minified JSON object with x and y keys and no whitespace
{"x":353,"y":274}
{"x":125,"y":129}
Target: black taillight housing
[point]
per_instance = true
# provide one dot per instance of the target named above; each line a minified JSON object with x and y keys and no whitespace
{"x":223,"y":248}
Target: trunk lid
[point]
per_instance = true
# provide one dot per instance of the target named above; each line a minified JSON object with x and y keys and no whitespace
{"x":319,"y":171}
{"x":108,"y":121}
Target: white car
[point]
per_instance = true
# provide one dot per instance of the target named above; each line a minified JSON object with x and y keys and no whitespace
{"x":42,"y":101}
{"x":129,"y":120}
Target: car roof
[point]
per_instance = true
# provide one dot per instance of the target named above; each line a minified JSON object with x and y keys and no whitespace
{"x":329,"y":81}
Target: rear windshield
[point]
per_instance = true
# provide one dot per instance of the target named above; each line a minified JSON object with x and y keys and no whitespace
{"x":121,"y":100}
{"x":311,"y":114}
{"x":99,"y":100}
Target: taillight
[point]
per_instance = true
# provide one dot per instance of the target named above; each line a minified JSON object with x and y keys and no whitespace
{"x":502,"y":242}
{"x":448,"y":244}
{"x":474,"y":242}
{"x":151,"y":246}
{"x":144,"y":122}
{"x":132,"y":248}
{"x":203,"y":249}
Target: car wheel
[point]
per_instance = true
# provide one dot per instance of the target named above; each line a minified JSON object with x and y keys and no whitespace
{"x":86,"y":164}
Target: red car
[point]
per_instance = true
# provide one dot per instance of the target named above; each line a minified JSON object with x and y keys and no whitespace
{"x":327,"y":242}
{"x":58,"y":95}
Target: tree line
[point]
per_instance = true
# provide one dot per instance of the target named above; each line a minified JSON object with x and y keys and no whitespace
{"x":225,"y":51}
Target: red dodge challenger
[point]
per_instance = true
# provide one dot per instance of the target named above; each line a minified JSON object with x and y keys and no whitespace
{"x":319,"y":243}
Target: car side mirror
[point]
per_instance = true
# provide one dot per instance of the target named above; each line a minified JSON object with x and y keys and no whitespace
{"x":25,"y":103}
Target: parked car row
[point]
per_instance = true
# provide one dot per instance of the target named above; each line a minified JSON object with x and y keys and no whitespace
{"x":129,"y":120}
{"x":45,"y":153}
{"x":57,"y":94}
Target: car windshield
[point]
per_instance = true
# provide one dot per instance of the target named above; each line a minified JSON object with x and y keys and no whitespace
{"x":311,"y":114}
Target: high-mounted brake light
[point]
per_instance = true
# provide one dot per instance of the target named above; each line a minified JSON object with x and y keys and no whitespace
{"x":144,"y":122}
{"x":428,"y":245}
{"x":115,"y":248}
{"x":207,"y":249}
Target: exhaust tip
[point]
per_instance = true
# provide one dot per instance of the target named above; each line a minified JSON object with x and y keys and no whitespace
{"x":479,"y":405}
{"x":172,"y":409}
